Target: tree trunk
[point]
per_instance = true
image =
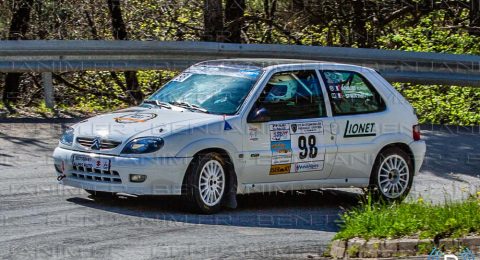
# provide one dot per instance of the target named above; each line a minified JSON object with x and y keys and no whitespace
{"x":270,"y":8}
{"x":18,"y":28}
{"x":474,"y":17}
{"x":234,"y":11}
{"x":119,"y":31}
{"x":359,"y":23}
{"x":213,"y":21}
{"x":298,"y":6}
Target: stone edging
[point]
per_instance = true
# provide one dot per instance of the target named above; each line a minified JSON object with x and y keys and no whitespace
{"x":375,"y":248}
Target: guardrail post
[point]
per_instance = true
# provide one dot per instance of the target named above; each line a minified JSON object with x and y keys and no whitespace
{"x":48,"y":89}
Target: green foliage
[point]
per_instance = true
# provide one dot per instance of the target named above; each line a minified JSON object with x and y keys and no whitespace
{"x":151,"y":81}
{"x":444,"y":104}
{"x":415,"y":218}
{"x":438,"y":104}
{"x":43,"y":109}
{"x":424,"y":248}
{"x":164,"y":20}
{"x":353,"y":250}
{"x":427,"y":37}
{"x":97,"y":92}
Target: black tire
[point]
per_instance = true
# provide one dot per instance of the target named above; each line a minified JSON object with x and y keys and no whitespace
{"x":101,"y":194}
{"x":192,"y":193}
{"x":378,"y":188}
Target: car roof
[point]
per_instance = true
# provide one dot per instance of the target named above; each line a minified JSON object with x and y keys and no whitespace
{"x":259,"y":63}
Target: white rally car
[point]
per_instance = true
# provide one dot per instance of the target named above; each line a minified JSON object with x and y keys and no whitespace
{"x":238,"y":126}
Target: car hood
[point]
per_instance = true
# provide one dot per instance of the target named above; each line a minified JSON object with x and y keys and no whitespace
{"x":138,"y":121}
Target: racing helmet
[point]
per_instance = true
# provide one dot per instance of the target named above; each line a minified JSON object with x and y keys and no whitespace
{"x":281,"y":91}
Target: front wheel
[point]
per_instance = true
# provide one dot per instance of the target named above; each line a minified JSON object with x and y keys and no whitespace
{"x":392,"y":175}
{"x":206,"y":183}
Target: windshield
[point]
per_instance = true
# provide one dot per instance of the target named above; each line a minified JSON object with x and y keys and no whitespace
{"x":216,"y":90}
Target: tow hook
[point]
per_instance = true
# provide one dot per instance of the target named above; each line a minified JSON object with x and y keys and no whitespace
{"x":60,"y":177}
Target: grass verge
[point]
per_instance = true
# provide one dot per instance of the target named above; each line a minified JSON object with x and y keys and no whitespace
{"x":411,"y":219}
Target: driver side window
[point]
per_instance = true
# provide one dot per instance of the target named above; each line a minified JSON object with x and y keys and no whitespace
{"x":293,"y":95}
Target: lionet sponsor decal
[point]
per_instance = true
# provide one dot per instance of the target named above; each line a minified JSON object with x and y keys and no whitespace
{"x":359,"y":129}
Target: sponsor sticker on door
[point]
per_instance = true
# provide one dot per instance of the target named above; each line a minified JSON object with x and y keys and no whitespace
{"x":280,"y":169}
{"x":296,"y":145}
{"x":281,"y":147}
{"x":281,"y":159}
{"x":309,"y":166}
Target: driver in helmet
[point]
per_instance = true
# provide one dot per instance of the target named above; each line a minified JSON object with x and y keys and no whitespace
{"x":281,"y":91}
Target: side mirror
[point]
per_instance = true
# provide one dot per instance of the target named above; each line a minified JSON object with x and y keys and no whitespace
{"x":258,"y":115}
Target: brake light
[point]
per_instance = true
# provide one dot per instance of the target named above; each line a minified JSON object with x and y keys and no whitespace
{"x":416,"y":132}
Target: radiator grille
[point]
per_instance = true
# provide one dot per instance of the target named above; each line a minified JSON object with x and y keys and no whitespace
{"x":89,"y":174}
{"x":105,"y":144}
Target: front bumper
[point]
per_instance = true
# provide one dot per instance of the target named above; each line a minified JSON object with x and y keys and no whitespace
{"x":164,"y":174}
{"x":418,"y":149}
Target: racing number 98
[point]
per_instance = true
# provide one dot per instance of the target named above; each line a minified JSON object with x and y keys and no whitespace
{"x":307,"y":148}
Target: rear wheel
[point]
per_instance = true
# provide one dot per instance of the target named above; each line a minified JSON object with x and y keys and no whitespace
{"x":392,"y":175}
{"x":206,"y":183}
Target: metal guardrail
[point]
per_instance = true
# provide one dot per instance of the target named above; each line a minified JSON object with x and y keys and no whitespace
{"x":399,"y":66}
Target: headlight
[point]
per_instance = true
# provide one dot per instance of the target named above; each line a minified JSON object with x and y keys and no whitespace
{"x":67,"y":137}
{"x":143,"y":145}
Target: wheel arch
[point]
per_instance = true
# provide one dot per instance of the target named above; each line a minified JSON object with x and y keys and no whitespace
{"x":229,"y":162}
{"x":402,"y":146}
{"x":198,"y":146}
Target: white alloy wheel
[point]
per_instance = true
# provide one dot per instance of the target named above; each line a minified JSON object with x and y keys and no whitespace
{"x":393,"y":176}
{"x":212,"y":183}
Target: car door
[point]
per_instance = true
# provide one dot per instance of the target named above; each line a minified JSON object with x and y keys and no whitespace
{"x":358,"y":110}
{"x":289,"y":134}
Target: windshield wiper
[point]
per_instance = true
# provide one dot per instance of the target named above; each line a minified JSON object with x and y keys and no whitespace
{"x":157,"y":103}
{"x":188,"y":106}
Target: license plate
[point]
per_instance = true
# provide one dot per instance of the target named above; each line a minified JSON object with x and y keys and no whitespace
{"x":91,"y":162}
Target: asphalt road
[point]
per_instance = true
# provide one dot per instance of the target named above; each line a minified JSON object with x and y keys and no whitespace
{"x":40,"y":219}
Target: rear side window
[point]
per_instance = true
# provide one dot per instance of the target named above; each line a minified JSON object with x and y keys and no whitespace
{"x":350,"y":93}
